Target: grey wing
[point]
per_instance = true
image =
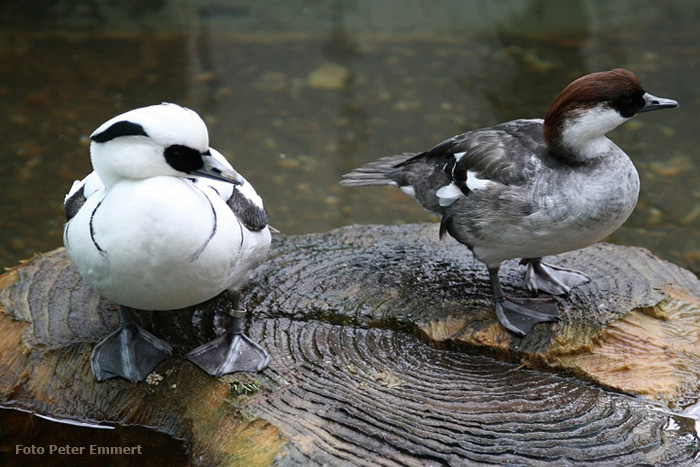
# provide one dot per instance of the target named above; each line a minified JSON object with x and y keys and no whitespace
{"x":498,"y":154}
{"x":252,"y":215}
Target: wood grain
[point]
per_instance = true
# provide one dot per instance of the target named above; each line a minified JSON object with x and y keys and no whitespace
{"x":635,"y":327}
{"x":348,"y":395}
{"x":384,"y":351}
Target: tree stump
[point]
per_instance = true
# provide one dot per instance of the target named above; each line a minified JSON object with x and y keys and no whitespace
{"x":385,"y":350}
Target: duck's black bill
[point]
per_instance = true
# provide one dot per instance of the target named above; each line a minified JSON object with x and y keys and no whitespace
{"x":657,"y":103}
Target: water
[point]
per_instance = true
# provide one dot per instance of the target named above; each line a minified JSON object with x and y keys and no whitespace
{"x":297,"y":94}
{"x":30,"y":440}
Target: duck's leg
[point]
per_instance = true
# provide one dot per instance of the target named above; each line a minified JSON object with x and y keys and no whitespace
{"x":130,"y":352}
{"x":555,"y":280}
{"x":233,"y":351}
{"x":520,"y":317}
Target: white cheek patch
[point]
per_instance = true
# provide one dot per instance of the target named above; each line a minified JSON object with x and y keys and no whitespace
{"x":585,"y":134}
{"x":448,"y":194}
{"x":475,"y":183}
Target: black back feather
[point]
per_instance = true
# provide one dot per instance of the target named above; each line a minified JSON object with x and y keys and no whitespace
{"x":73,"y":204}
{"x":251,"y":216}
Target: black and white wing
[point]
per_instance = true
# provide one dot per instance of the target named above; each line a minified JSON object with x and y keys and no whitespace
{"x":243,"y":200}
{"x":80,"y":192}
{"x":247,"y":205}
{"x":481,"y":159}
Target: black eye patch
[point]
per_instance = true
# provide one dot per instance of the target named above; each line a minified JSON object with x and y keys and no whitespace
{"x":629,"y":104}
{"x":123,"y":128}
{"x":183,"y":158}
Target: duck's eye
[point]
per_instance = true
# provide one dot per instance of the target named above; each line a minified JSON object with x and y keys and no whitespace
{"x":183,"y":158}
{"x":627,"y":98}
{"x":629,"y":104}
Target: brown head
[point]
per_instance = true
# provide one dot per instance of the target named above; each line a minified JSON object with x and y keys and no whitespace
{"x":595,"y":104}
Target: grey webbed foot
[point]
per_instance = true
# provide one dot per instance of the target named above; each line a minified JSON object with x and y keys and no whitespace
{"x":555,"y":280}
{"x":233,"y":351}
{"x":520,"y":315}
{"x":130,"y":352}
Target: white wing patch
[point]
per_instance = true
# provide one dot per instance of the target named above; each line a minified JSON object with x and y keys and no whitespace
{"x":458,"y":156}
{"x":451,"y":193}
{"x":93,"y":184}
{"x":409,"y":190}
{"x":89,"y":184}
{"x":448,"y":194}
{"x":475,"y":183}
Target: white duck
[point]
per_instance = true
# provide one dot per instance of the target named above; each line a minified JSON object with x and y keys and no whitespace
{"x":164,"y":222}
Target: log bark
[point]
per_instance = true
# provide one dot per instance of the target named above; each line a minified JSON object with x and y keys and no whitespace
{"x":385,"y":350}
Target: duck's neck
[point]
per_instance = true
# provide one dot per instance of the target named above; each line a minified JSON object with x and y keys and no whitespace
{"x":580,"y":134}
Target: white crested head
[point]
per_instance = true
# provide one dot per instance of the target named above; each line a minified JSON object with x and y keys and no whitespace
{"x":164,"y":139}
{"x":164,"y":123}
{"x":591,"y":106}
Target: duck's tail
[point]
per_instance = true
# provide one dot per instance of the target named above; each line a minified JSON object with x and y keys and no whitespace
{"x":377,"y":172}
